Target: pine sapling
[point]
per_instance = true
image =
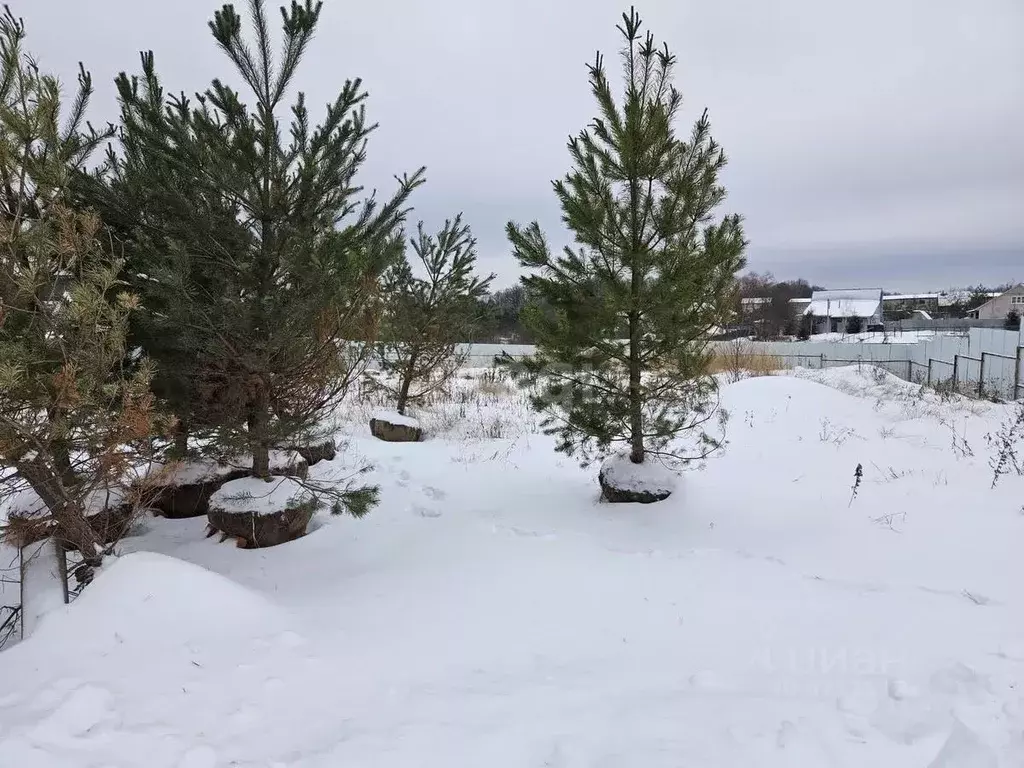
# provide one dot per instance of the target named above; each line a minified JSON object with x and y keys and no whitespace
{"x":76,"y":413}
{"x":260,"y":251}
{"x":425,"y":319}
{"x":622,"y":316}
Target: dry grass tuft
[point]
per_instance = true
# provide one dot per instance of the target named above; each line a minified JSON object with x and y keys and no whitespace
{"x":494,"y":388}
{"x":21,"y":530}
{"x":743,"y":359}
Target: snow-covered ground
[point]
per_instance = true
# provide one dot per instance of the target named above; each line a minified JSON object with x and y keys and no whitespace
{"x":878,"y":337}
{"x":491,"y":612}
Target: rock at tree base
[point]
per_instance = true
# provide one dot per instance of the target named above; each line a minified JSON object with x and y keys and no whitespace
{"x":190,"y":486}
{"x":261,"y":513}
{"x":191,"y":500}
{"x":395,"y":428}
{"x":623,"y":481}
{"x":314,"y":454}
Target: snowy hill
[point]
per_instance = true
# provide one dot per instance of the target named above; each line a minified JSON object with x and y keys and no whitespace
{"x":491,"y":612}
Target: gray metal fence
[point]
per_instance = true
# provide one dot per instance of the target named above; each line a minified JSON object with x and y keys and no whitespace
{"x":985,"y":362}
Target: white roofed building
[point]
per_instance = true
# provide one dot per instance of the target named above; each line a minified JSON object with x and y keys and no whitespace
{"x":831,"y":310}
{"x":906,"y":303}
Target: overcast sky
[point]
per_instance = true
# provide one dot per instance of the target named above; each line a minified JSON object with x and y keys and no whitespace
{"x":872,"y":143}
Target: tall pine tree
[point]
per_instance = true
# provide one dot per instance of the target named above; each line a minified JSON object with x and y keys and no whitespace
{"x":622,"y":316}
{"x":252,"y":244}
{"x":75,"y":416}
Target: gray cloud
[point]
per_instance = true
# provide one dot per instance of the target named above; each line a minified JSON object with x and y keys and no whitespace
{"x":871,"y":143}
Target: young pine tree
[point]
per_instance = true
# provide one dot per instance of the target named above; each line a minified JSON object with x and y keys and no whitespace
{"x":255,"y":246}
{"x":622,"y":316}
{"x":73,"y":415}
{"x":425,"y":318}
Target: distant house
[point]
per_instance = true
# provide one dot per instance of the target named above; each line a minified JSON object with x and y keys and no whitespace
{"x":960,"y":296}
{"x":831,"y":310}
{"x":751,"y":304}
{"x":909,"y":302}
{"x":999,"y":307}
{"x":799,"y":306}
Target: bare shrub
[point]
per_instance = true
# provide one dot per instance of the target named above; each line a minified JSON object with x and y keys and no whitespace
{"x":1004,"y":445}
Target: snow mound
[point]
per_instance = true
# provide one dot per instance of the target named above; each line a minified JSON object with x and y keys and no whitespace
{"x":252,"y":494}
{"x":394,"y":417}
{"x":145,"y":600}
{"x":190,"y":472}
{"x":24,"y":502}
{"x":652,"y":476}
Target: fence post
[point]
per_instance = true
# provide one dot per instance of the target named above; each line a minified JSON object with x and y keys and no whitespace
{"x":21,"y":589}
{"x":956,"y":373}
{"x":930,"y":361}
{"x":822,"y":361}
{"x":1016,"y":374}
{"x":910,"y":371}
{"x":60,"y":550}
{"x":981,"y":377}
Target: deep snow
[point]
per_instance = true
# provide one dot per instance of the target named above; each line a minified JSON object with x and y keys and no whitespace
{"x":492,"y":612}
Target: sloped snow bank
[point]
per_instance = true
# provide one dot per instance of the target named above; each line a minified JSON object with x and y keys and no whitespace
{"x":143,"y":602}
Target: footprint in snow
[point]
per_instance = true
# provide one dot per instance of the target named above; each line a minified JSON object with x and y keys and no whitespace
{"x":964,"y":749}
{"x":802,"y":745}
{"x":976,"y":598}
{"x":82,"y":710}
{"x":244,"y":718}
{"x":1012,"y":652}
{"x":708,"y":681}
{"x":273,"y":684}
{"x":899,"y":690}
{"x":50,"y":697}
{"x":290,"y":639}
{"x":959,"y":680}
{"x":199,"y":757}
{"x":426,"y":511}
{"x":435,"y":493}
{"x":860,"y":701}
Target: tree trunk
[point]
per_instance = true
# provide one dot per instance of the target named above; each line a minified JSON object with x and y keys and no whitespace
{"x":181,"y":439}
{"x":403,"y":392}
{"x":73,"y":528}
{"x":636,"y":284}
{"x":76,"y":532}
{"x":636,"y":419}
{"x":62,"y":461}
{"x":258,"y":442}
{"x":61,"y":452}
